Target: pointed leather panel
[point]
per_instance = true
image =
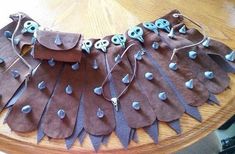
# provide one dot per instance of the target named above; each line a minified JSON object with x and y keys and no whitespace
{"x":135,"y":119}
{"x":53,"y":126}
{"x":167,"y":110}
{"x":9,"y":84}
{"x":162,"y":55}
{"x":34,"y":97}
{"x":92,"y":101}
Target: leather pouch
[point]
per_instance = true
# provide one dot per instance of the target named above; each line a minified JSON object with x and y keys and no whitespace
{"x":58,"y":46}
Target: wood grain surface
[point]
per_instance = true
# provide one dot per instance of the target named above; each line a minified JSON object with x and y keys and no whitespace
{"x":97,"y":18}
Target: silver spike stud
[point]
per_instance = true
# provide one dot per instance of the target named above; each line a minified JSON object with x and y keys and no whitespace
{"x":7,"y":34}
{"x":182,"y":30}
{"x":69,"y":90}
{"x":206,"y":43}
{"x":155,"y":45}
{"x":173,"y":66}
{"x":118,"y":59}
{"x":75,"y":66}
{"x":192,"y":54}
{"x":16,"y":41}
{"x":126,"y":79}
{"x":98,"y":90}
{"x":26,"y":109}
{"x":189,"y":84}
{"x":149,"y":76}
{"x":15,"y":73}
{"x":136,"y":105}
{"x":61,"y":114}
{"x":162,"y":96}
{"x":58,"y":41}
{"x":41,"y":85}
{"x":138,"y":56}
{"x":171,"y":34}
{"x":100,"y":113}
{"x":95,"y":65}
{"x":114,"y":101}
{"x":230,"y":56}
{"x":51,"y":62}
{"x":1,"y":61}
{"x":209,"y":75}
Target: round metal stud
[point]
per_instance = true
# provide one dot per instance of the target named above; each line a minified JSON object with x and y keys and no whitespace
{"x":136,"y":105}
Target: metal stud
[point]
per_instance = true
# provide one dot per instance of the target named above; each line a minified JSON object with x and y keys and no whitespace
{"x":86,"y":46}
{"x":162,"y":96}
{"x":100,"y":113}
{"x":206,"y":42}
{"x":98,"y":90}
{"x":118,"y":59}
{"x":182,"y":30}
{"x":26,"y":109}
{"x":136,"y":105}
{"x":61,"y":113}
{"x":114,"y":101}
{"x":155,"y":45}
{"x":230,"y":56}
{"x":209,"y":75}
{"x":126,"y":79}
{"x":149,"y":76}
{"x":95,"y":65}
{"x":16,"y":41}
{"x":189,"y":84}
{"x":41,"y":85}
{"x":51,"y":62}
{"x":192,"y":54}
{"x":58,"y":41}
{"x":173,"y":66}
{"x":136,"y":33}
{"x":8,"y":34}
{"x":69,"y":90}
{"x":138,"y":55}
{"x":1,"y":61}
{"x":163,"y":24}
{"x":75,"y":66}
{"x":171,"y":34}
{"x":15,"y":73}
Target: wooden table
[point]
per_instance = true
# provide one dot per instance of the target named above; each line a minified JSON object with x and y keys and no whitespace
{"x":97,"y":18}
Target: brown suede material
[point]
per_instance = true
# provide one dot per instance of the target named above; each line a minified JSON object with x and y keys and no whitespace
{"x":9,"y":84}
{"x":135,"y":119}
{"x":201,"y":64}
{"x":195,"y":97}
{"x":52,"y":125}
{"x":69,"y":51}
{"x":34,"y":97}
{"x":92,"y":102}
{"x":167,"y":110}
{"x":6,"y":50}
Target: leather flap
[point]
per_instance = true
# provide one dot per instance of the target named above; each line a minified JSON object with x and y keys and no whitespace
{"x":47,"y":39}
